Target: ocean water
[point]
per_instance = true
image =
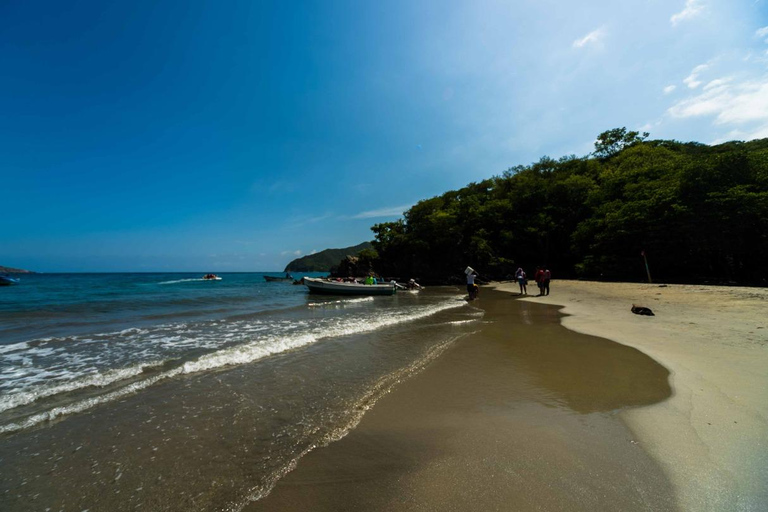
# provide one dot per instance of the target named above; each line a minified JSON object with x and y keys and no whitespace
{"x":163,"y":391}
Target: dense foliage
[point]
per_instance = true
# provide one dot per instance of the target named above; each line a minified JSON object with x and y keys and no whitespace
{"x":699,"y":212}
{"x":324,"y":260}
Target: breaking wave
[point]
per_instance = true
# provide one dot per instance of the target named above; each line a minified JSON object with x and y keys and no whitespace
{"x":127,"y":354}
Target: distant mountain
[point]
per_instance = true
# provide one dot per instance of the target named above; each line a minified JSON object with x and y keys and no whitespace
{"x":323,"y":261}
{"x":9,"y":270}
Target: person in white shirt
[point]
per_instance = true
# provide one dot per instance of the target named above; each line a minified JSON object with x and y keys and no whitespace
{"x":522,"y":281}
{"x":471,"y":287}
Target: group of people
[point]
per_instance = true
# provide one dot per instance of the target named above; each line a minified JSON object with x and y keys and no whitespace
{"x":541,"y":277}
{"x":372,"y":279}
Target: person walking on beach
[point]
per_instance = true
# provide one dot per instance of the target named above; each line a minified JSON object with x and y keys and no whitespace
{"x":539,"y":278}
{"x":471,"y":286}
{"x":545,"y":281}
{"x":521,"y":280}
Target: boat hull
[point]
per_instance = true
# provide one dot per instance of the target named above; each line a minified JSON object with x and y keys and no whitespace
{"x":330,"y":288}
{"x":271,"y":279}
{"x":7,"y":281}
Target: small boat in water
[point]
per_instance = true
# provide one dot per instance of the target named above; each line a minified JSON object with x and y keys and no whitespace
{"x":272,"y":279}
{"x":6,"y":280}
{"x":211,"y":277}
{"x":340,"y":288}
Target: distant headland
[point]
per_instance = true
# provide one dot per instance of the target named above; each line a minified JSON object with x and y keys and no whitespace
{"x":10,"y":270}
{"x":324,"y":260}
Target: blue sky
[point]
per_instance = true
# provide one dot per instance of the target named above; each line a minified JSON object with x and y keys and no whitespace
{"x":224,"y":136}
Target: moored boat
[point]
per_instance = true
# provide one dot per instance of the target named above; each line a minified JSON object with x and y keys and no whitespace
{"x":272,"y":279}
{"x":340,"y":288}
{"x":8,"y":280}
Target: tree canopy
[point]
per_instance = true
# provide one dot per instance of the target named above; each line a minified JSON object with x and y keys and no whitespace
{"x":611,"y":142}
{"x":699,"y":212}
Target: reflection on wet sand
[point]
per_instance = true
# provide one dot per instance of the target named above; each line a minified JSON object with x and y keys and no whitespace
{"x":584,"y":373}
{"x":519,"y":416}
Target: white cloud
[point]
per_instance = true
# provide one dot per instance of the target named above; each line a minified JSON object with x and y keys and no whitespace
{"x":668,"y":89}
{"x":293,"y":253}
{"x":692,"y":9}
{"x":718,"y":82}
{"x":693,"y":80}
{"x":592,"y":38}
{"x":762,"y":32}
{"x":392,"y":211}
{"x":743,"y":105}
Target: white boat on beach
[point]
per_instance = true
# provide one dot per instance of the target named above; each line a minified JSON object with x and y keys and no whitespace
{"x":340,"y":288}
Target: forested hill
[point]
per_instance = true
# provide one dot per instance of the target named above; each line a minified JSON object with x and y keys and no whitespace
{"x":699,"y":212}
{"x":324,"y":260}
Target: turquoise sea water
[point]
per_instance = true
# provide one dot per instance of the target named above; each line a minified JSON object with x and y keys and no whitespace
{"x":233,"y":379}
{"x":55,"y":305}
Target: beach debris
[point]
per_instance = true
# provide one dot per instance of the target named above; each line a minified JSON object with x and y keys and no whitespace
{"x":641,"y":310}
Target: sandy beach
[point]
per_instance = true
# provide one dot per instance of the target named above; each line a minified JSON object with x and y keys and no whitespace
{"x":522,"y":414}
{"x":425,"y":402}
{"x":538,"y":410}
{"x":711,"y":435}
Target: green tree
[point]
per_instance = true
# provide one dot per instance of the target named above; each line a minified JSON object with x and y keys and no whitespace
{"x":700,"y":213}
{"x":611,"y":142}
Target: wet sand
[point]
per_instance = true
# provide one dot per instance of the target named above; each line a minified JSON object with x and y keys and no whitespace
{"x":213,"y":440}
{"x":523,"y":414}
{"x":711,"y":436}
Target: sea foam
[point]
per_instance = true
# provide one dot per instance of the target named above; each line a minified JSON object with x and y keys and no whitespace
{"x":246,"y":342}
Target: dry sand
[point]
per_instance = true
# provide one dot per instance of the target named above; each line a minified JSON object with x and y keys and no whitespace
{"x":711,"y":436}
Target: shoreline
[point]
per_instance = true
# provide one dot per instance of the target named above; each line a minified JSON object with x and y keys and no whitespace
{"x":711,"y":435}
{"x":521,"y":414}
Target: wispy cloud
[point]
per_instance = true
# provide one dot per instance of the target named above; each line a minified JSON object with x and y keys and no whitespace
{"x":692,"y":9}
{"x":292,"y":253}
{"x":693,"y":80}
{"x":392,"y":211}
{"x":318,"y":218}
{"x":743,"y":105}
{"x":593,"y":37}
{"x":718,"y":82}
{"x":762,"y":32}
{"x":670,"y":88}
{"x":303,"y":220}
